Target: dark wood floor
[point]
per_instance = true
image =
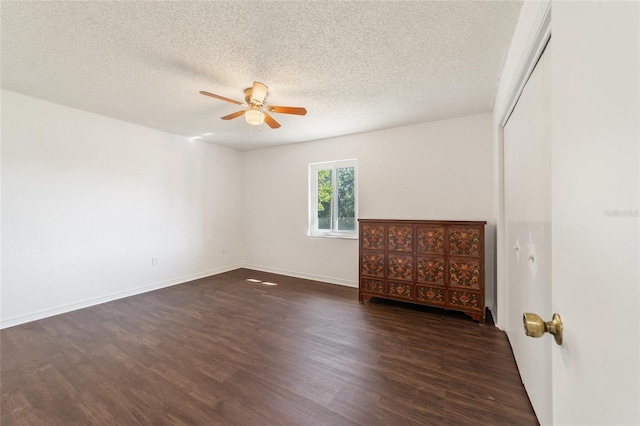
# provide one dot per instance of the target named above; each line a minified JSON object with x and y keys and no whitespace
{"x":222,"y":350}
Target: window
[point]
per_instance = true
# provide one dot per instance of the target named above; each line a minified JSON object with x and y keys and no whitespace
{"x":333,"y":203}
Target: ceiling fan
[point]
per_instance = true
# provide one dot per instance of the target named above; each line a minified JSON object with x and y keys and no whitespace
{"x":255,"y":100}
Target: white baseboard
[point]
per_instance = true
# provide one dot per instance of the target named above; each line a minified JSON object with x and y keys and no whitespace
{"x":295,"y":274}
{"x":492,"y":309}
{"x":34,"y":316}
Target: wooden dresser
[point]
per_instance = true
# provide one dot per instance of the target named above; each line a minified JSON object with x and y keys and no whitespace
{"x":429,"y":262}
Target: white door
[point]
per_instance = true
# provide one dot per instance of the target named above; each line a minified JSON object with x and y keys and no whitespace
{"x":595,"y":224}
{"x":527,"y":185}
{"x":593,"y":378}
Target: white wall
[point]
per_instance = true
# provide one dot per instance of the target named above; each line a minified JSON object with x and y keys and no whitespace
{"x":87,"y":201}
{"x":437,"y":170}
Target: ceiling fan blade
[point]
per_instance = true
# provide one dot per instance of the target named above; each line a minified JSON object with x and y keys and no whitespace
{"x":222,"y":98}
{"x":270,"y":121}
{"x":232,"y":116}
{"x":288,"y":110}
{"x":259,"y":92}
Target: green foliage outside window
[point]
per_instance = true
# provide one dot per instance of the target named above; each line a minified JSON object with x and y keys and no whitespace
{"x":346,"y":199}
{"x":345,"y":188}
{"x":325,"y":194}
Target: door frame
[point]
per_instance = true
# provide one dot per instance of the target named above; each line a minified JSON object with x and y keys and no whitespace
{"x":534,"y":47}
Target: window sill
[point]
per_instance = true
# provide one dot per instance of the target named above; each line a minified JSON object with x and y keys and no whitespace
{"x":336,"y":236}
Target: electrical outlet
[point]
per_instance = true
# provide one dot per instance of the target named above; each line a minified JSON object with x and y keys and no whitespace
{"x":154,"y":261}
{"x":267,"y":250}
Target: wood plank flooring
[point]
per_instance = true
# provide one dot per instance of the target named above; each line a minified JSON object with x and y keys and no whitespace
{"x":226,"y":351}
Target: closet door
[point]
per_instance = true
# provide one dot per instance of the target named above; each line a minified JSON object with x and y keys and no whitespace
{"x":527,"y":180}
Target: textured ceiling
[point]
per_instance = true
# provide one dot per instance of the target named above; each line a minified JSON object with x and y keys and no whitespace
{"x":355,"y":65}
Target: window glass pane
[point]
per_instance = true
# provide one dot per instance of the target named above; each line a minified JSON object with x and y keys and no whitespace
{"x":346,"y":198}
{"x":325,"y":193}
{"x":332,"y":202}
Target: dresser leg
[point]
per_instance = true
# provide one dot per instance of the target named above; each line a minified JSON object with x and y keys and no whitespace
{"x":364,"y":297}
{"x":480,"y":317}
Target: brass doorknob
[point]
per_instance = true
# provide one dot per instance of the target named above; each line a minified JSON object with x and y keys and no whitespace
{"x":534,"y":326}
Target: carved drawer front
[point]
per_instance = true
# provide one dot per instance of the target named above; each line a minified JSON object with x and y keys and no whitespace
{"x":400,"y":267}
{"x":373,"y":264}
{"x":464,"y":273}
{"x":430,"y":294}
{"x":404,"y":291}
{"x":372,"y":237}
{"x":430,"y":270}
{"x":464,"y":241}
{"x":372,"y":286}
{"x":464,"y":299}
{"x":400,"y":238}
{"x":430,"y":240}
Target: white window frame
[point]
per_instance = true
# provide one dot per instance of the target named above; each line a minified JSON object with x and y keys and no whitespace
{"x":334,"y":232}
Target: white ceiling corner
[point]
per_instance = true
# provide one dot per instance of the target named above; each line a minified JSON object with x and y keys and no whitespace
{"x":356,"y":66}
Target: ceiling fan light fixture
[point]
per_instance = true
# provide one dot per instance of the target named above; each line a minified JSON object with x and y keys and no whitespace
{"x":254,"y":117}
{"x":258,"y":92}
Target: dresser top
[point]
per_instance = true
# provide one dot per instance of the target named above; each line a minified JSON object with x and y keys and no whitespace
{"x":431,"y":222}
